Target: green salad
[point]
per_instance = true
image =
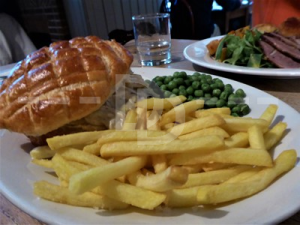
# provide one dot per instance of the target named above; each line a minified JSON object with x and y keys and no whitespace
{"x":242,"y":51}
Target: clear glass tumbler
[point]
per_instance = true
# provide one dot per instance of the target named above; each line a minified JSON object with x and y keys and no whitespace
{"x":152,"y":38}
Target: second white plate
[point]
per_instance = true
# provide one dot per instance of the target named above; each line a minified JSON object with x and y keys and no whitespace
{"x":197,"y":53}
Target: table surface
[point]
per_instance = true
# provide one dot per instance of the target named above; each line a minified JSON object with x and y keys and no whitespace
{"x":288,"y":90}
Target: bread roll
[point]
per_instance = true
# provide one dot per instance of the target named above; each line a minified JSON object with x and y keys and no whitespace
{"x":290,"y":27}
{"x":61,"y":83}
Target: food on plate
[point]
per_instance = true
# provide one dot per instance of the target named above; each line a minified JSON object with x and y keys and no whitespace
{"x":204,"y":87}
{"x":263,"y":46}
{"x":283,"y":52}
{"x":220,"y":159}
{"x":67,"y":87}
{"x":290,"y":27}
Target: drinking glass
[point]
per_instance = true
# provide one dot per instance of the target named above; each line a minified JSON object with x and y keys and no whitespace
{"x":152,"y":38}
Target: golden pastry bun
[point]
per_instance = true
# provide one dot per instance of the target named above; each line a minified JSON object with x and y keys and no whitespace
{"x":290,"y":27}
{"x":61,"y":83}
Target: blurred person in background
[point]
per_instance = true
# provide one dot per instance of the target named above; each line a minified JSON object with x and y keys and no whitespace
{"x":274,"y":11}
{"x":185,"y":13}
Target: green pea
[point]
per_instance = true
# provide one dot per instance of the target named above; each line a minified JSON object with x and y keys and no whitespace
{"x":231,"y":104}
{"x":182,"y":74}
{"x":176,"y":74}
{"x":181,"y":87}
{"x":159,"y":83}
{"x":159,"y":79}
{"x":190,"y":90}
{"x":196,"y":74}
{"x":220,"y":84}
{"x":187,"y":82}
{"x":175,"y":91}
{"x":207,"y":95}
{"x":172,"y":95}
{"x":228,"y":88}
{"x":245,"y":109}
{"x":196,"y":84}
{"x":195,"y":78}
{"x":214,"y":99}
{"x":167,"y":94}
{"x":214,"y":86}
{"x":168,"y":80}
{"x":164,"y":87}
{"x":216,"y":92}
{"x":179,"y":81}
{"x":220,"y":103}
{"x":172,"y":85}
{"x":224,"y":95}
{"x":206,"y":88}
{"x":190,"y":98}
{"x":198,"y":93}
{"x":182,"y":92}
{"x":235,"y":114}
{"x":240,"y":93}
{"x":236,"y":109}
{"x":209,"y":80}
{"x":210,"y":104}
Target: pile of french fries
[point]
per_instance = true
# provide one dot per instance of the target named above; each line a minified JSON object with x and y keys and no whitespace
{"x":169,"y":153}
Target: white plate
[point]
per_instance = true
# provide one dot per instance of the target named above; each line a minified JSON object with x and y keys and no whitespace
{"x":198,"y":54}
{"x":272,"y":205}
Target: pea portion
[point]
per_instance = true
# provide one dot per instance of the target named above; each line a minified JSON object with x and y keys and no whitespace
{"x":211,"y":89}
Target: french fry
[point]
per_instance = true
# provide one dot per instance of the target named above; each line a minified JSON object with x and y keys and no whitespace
{"x":141,"y":119}
{"x":213,"y":177}
{"x":130,"y":120}
{"x":41,"y":152}
{"x":43,"y":162}
{"x":128,"y":148}
{"x":159,"y":163}
{"x":166,"y":180}
{"x":205,"y":132}
{"x":207,"y":112}
{"x":152,"y":120}
{"x":239,"y":124}
{"x":274,"y":135}
{"x":89,"y":179}
{"x":243,"y":156}
{"x":71,"y":140}
{"x":82,"y":157}
{"x":160,"y":103}
{"x":131,"y":194}
{"x":197,"y":124}
{"x":92,"y":148}
{"x":60,"y":194}
{"x":180,"y":111}
{"x":256,"y":138}
{"x":185,"y":197}
{"x":135,"y":135}
{"x":63,"y":169}
{"x":215,"y":166}
{"x":193,"y":168}
{"x":238,"y":140}
{"x":269,"y":113}
{"x":214,"y":194}
{"x":168,"y":126}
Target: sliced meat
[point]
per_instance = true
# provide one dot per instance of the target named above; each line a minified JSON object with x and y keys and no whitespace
{"x":282,"y":46}
{"x":276,"y":57}
{"x":288,"y":40}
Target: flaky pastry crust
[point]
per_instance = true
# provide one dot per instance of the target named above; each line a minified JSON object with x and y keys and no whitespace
{"x":61,"y":83}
